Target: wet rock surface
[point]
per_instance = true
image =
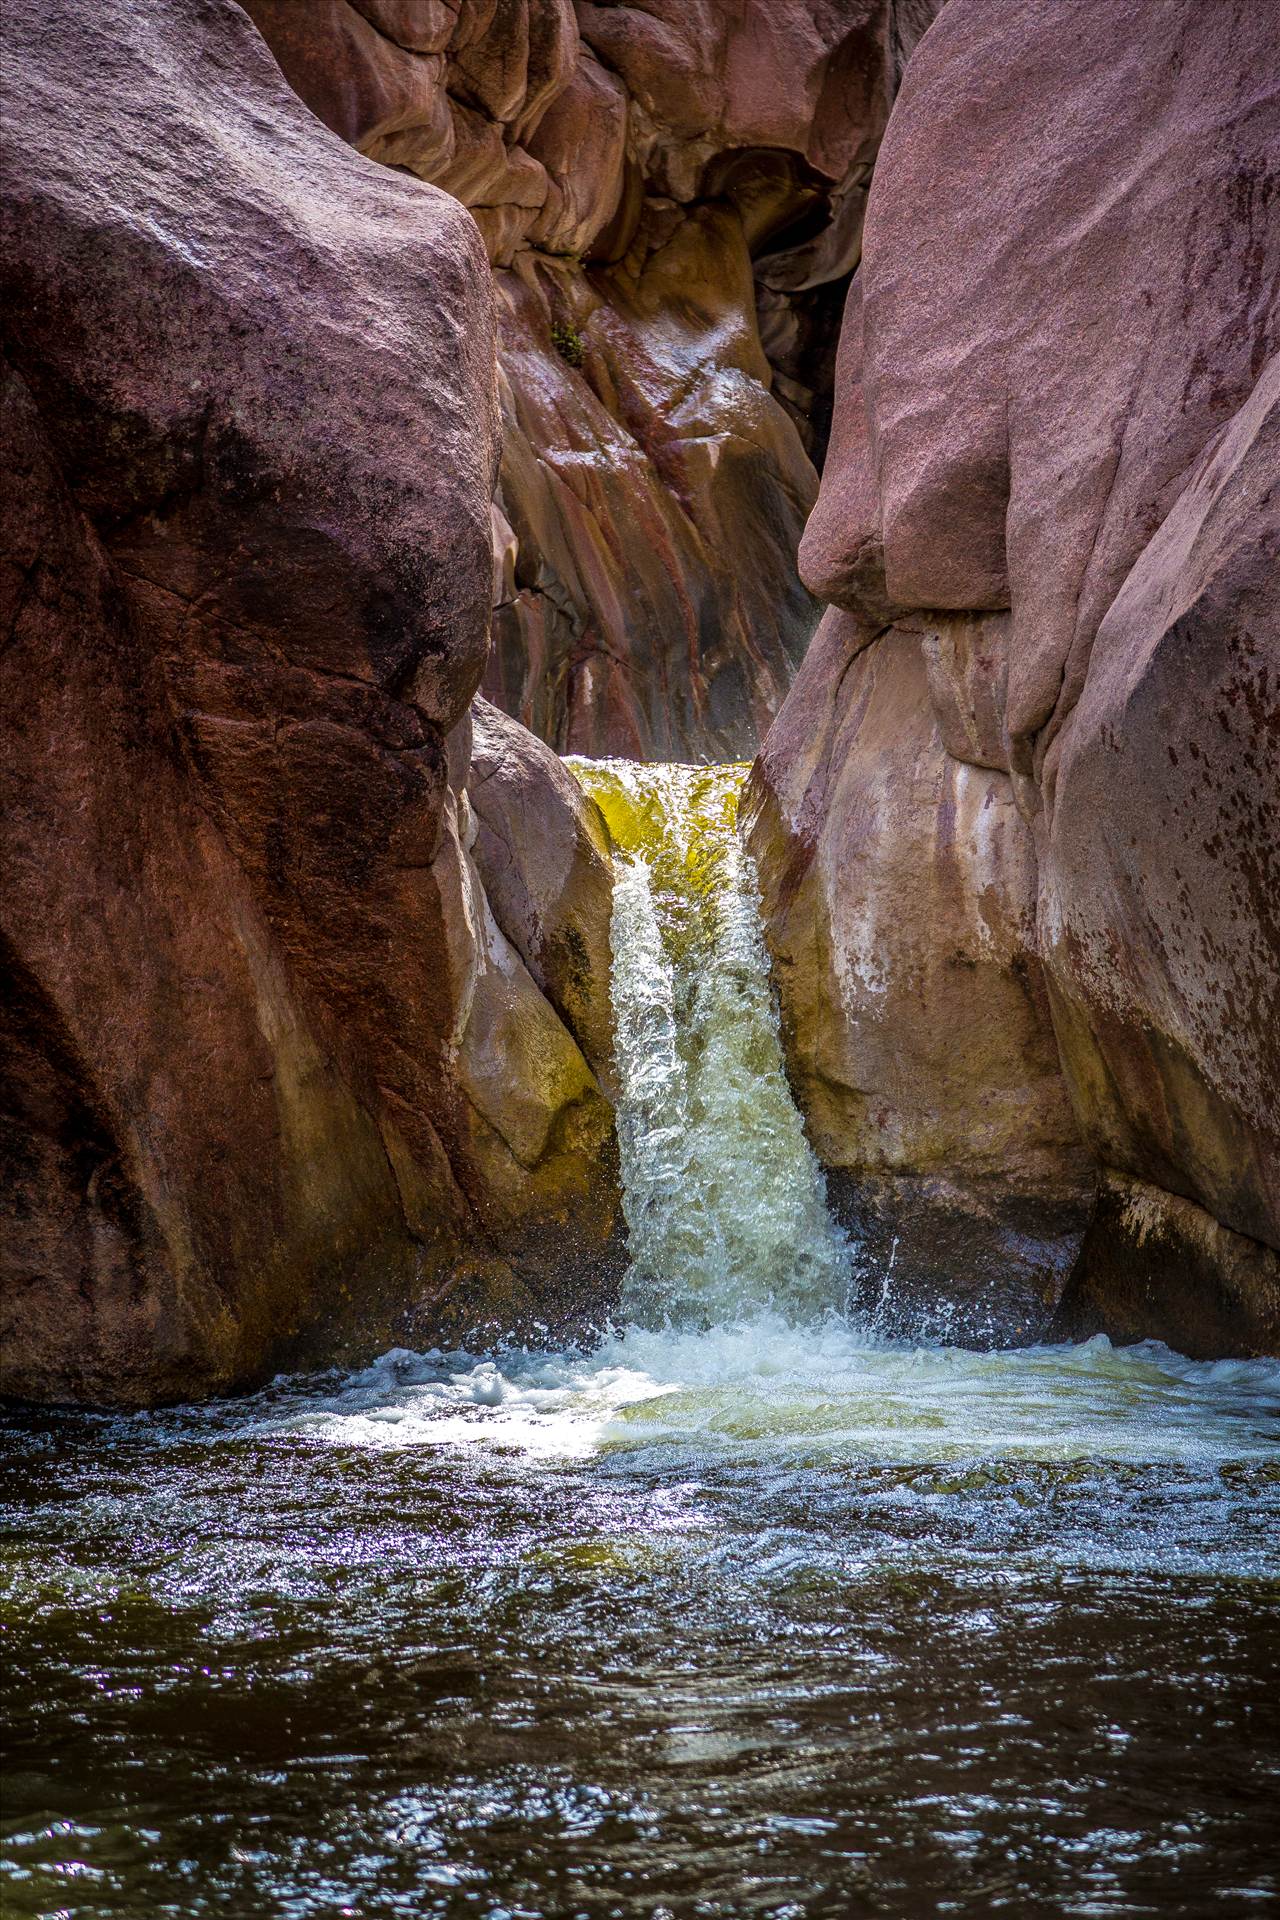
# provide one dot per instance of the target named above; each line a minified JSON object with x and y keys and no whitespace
{"x":1056,"y":423}
{"x":1152,"y":1261}
{"x":671,"y":197}
{"x":275,"y":1082}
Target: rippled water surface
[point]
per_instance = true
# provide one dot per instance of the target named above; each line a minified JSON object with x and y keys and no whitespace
{"x":760,"y":1620}
{"x":745,"y":1614}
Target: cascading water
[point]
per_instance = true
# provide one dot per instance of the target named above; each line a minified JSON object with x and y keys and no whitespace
{"x":739,"y":1615}
{"x":724,"y":1202}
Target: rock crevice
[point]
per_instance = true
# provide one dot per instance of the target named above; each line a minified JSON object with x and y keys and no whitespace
{"x":671,"y":198}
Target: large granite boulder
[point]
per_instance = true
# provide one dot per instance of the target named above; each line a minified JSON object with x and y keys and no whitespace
{"x":253,"y":996}
{"x":671,"y":196}
{"x":1056,"y":420}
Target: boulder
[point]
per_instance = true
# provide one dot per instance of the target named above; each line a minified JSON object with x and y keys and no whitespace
{"x":247,"y":571}
{"x":543,"y":853}
{"x":1153,"y":1264}
{"x":1066,"y":292}
{"x":899,"y":889}
{"x":1160,"y":876}
{"x":1055,"y":458}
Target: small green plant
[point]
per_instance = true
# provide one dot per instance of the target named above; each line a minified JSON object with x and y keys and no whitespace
{"x":567,"y":342}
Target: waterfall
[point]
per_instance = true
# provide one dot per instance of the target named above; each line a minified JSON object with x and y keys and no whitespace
{"x":724,"y":1201}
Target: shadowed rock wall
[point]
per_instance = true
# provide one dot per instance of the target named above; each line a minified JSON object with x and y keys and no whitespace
{"x":671,"y":196}
{"x":276,"y":1079}
{"x":1052,"y":490}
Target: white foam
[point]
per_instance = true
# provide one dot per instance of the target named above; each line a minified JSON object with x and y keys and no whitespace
{"x":739,"y":1345}
{"x":819,"y":1392}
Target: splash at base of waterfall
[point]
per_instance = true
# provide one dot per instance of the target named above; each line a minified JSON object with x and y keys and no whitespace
{"x":740,"y":1612}
{"x":724,"y":1201}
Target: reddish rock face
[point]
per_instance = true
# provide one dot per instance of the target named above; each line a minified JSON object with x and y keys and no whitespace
{"x":1056,"y":419}
{"x":1160,"y":888}
{"x":253,"y":991}
{"x":544,"y":855}
{"x":900,"y":889}
{"x":671,"y":197}
{"x":1026,"y":444}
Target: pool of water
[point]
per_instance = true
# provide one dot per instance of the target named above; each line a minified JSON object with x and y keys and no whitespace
{"x":755,"y":1620}
{"x":740,"y":1611}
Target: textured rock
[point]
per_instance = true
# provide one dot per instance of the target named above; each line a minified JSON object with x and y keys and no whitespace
{"x":788,"y":77}
{"x":1152,"y":1262}
{"x":631,"y":483}
{"x":1051,"y":342}
{"x":1056,"y":422}
{"x":252,"y":996}
{"x":543,"y":853}
{"x":672,"y":198}
{"x":1160,"y":877}
{"x":581,"y":143}
{"x":899,"y":886}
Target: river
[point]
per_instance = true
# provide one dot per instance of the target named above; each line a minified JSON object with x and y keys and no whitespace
{"x":741,"y":1609}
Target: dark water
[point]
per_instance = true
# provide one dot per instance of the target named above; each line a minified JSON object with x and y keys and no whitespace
{"x":754,"y":1622}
